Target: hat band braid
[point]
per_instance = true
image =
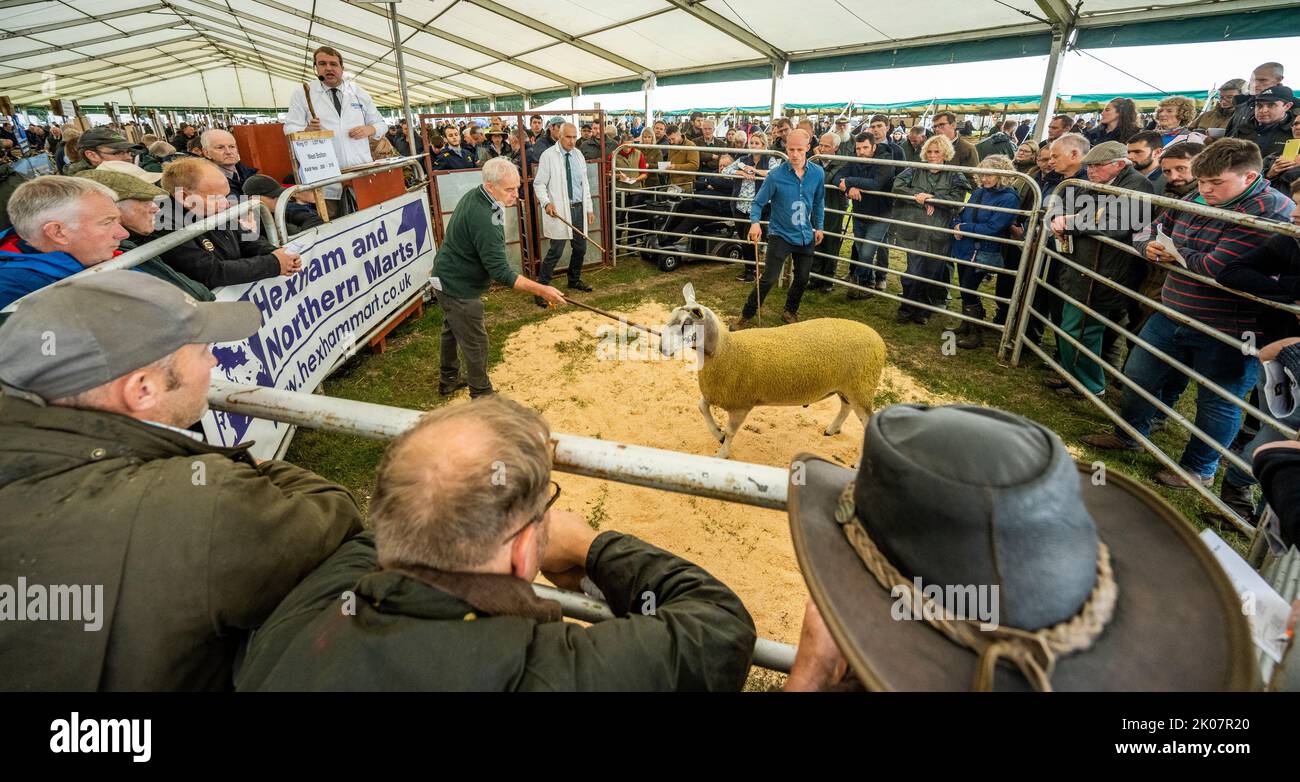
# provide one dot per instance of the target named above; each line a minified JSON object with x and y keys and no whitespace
{"x":1033,"y":653}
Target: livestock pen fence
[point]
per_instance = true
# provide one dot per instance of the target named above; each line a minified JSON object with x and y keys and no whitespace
{"x":640,"y":205}
{"x":702,"y":476}
{"x":1024,"y":283}
{"x":1039,"y":309}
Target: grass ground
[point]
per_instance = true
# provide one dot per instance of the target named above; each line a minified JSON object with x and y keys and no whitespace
{"x":407,"y":375}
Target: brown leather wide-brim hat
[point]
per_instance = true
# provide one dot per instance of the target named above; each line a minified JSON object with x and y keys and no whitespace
{"x":1177,"y":622}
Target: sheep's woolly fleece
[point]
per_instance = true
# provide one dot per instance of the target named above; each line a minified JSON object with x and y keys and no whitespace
{"x":553,"y":367}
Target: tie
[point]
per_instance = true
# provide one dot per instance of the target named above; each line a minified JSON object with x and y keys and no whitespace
{"x":338,"y":104}
{"x":568,"y":177}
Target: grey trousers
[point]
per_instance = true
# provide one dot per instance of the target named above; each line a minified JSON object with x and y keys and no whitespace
{"x":462,"y":326}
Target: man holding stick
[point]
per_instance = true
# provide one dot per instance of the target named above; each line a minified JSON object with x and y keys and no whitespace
{"x":797,"y":194}
{"x":471,"y":257}
{"x":342,"y":107}
{"x":565,"y":196}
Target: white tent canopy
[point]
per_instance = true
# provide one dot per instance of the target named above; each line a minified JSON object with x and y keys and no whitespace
{"x":253,"y":53}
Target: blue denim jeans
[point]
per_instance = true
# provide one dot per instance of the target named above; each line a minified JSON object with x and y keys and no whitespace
{"x":1217,"y":417}
{"x":971,"y":278}
{"x":871,"y":230}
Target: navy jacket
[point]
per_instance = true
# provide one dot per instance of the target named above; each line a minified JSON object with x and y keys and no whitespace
{"x":985,"y":222}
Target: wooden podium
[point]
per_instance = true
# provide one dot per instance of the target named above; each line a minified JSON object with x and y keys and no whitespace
{"x":376,"y":188}
{"x":263,"y":147}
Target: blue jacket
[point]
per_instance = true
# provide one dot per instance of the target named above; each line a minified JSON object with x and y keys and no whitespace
{"x":867,"y":176}
{"x":783,"y":189}
{"x":23,"y":270}
{"x":984,"y":222}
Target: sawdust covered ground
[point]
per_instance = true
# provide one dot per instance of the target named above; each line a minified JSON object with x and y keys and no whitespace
{"x":555,"y":368}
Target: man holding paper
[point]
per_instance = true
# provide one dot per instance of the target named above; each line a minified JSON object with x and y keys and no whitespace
{"x":1228,"y":177}
{"x":344,"y":108}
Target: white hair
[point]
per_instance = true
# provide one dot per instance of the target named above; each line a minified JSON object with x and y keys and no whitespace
{"x":50,"y":199}
{"x":1075,"y":141}
{"x":205,"y":138}
{"x":495,"y":170}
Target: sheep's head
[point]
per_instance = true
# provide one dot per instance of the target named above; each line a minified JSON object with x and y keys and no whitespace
{"x":687,"y":326}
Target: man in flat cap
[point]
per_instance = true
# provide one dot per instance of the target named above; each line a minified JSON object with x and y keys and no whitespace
{"x":99,"y":145}
{"x":137,"y":205}
{"x":177,"y":549}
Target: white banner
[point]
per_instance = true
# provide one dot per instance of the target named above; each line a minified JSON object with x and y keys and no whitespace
{"x":361,"y":270}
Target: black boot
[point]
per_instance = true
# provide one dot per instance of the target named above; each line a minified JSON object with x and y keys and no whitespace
{"x":1240,"y":498}
{"x":974,"y":332}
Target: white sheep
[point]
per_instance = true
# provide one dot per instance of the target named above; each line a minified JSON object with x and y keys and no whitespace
{"x":796,"y":364}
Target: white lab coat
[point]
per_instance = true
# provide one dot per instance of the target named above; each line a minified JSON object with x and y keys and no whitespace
{"x":358,"y":109}
{"x":551,"y":185}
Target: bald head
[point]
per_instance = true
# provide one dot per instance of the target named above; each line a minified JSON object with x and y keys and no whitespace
{"x":568,"y":136}
{"x":451,"y":490}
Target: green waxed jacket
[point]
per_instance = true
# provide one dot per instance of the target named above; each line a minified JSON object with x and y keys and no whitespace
{"x":406,"y":634}
{"x":193,"y":546}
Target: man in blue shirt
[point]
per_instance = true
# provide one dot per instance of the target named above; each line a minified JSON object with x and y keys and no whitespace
{"x":797,"y":194}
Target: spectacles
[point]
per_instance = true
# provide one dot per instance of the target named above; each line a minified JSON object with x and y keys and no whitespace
{"x":941,"y":124}
{"x":555,"y":495}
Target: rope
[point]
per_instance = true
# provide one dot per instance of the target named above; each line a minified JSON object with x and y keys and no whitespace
{"x":1034,"y":653}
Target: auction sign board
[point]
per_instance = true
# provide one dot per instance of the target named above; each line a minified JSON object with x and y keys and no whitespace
{"x":358,"y":272}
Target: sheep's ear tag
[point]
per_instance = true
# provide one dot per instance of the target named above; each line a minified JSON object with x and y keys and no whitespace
{"x":688,"y":290}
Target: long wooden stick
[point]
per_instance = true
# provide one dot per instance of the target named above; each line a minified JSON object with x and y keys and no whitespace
{"x":758,"y":288}
{"x":612,"y":316}
{"x":306,"y":91}
{"x":579,"y":231}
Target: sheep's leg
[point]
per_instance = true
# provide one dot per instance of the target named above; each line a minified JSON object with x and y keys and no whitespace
{"x":863,"y":412}
{"x":734,"y":419}
{"x":708,"y":419}
{"x":834,"y":428}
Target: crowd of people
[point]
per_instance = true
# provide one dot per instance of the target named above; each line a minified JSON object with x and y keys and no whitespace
{"x":200,"y":545}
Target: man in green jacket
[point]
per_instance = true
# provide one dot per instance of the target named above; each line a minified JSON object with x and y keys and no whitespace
{"x":472,"y":255}
{"x":442,"y":599}
{"x":147,"y":555}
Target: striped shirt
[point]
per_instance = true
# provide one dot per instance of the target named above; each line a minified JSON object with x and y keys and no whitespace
{"x":1208,"y":245}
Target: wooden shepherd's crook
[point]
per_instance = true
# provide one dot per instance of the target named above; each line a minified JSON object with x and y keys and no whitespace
{"x":612,"y":316}
{"x":758,"y":288}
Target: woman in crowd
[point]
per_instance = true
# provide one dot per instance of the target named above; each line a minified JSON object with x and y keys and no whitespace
{"x":632,"y":170}
{"x":1173,"y":114}
{"x":971,"y":225}
{"x":653,"y":157}
{"x":924,"y":185}
{"x":1119,"y":121}
{"x":752,"y":168}
{"x":1026,"y":157}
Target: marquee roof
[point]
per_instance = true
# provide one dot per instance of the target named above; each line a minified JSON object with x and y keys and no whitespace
{"x":253,"y":53}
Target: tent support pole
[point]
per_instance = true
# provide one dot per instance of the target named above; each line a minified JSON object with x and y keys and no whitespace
{"x":1063,"y":32}
{"x":401,"y":79}
{"x":779,"y":70}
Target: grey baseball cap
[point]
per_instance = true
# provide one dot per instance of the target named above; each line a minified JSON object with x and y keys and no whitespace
{"x":75,"y":336}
